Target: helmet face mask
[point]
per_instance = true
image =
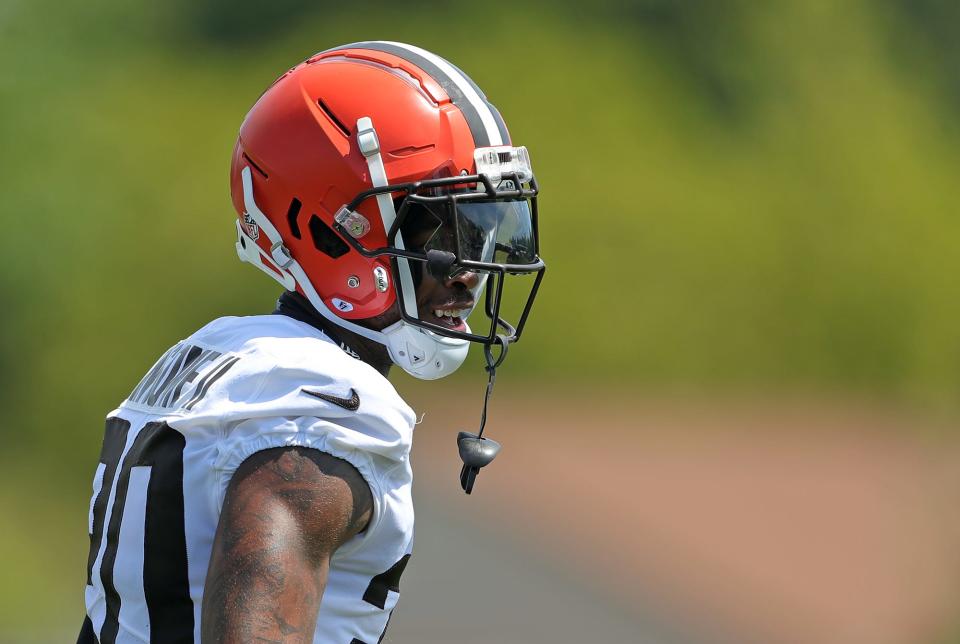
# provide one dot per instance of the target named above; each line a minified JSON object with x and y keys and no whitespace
{"x":466,"y":224}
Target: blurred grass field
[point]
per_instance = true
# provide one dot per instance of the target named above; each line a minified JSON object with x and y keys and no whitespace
{"x":738,"y":200}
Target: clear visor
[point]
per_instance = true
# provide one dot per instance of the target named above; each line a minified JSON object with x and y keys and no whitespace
{"x":498,"y":232}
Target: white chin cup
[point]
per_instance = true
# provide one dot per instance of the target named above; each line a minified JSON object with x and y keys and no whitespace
{"x":424,"y":354}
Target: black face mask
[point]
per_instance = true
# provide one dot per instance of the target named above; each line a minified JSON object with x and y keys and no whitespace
{"x":451,"y":225}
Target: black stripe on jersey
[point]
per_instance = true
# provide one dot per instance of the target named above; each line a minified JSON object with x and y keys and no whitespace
{"x":208,"y":381}
{"x":385,"y":627}
{"x":114,"y":440}
{"x":176,"y":369}
{"x":154,"y":374}
{"x":376,"y":592}
{"x":166,"y":583}
{"x":470,"y":113}
{"x":170,"y":390}
{"x":87,"y":636}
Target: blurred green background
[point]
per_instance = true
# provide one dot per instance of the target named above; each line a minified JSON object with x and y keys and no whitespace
{"x":738,"y":199}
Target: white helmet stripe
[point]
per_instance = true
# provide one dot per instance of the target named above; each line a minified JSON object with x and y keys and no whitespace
{"x":469,"y":89}
{"x":486,"y":125}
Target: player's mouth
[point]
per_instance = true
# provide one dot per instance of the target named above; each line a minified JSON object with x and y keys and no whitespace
{"x":451,"y":316}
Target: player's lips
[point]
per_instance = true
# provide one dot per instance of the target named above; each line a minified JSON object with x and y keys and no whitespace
{"x":451,"y":315}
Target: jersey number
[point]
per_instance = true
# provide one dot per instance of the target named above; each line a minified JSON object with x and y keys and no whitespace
{"x":146,"y":528}
{"x":376,"y":593}
{"x":147,"y":491}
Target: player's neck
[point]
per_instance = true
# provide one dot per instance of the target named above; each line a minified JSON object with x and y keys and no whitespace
{"x":373,"y":353}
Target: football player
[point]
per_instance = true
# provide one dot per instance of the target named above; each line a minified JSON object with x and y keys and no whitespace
{"x":256,"y":484}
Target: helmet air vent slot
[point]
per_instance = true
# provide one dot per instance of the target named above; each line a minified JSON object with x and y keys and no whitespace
{"x":292,"y":218}
{"x":333,"y":117}
{"x":325,"y":239}
{"x":255,"y":166}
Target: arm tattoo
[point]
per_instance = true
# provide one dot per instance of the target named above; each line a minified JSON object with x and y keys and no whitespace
{"x":286,"y":511}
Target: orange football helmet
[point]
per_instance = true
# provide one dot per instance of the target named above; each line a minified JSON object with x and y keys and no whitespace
{"x":340,"y":156}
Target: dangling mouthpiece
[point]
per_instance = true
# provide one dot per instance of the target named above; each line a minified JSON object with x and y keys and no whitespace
{"x":475,"y":450}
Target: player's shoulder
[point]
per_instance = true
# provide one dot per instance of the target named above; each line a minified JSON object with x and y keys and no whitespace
{"x":290,"y":384}
{"x":269,"y":336}
{"x":238,"y":368}
{"x":281,"y":347}
{"x":288,"y":353}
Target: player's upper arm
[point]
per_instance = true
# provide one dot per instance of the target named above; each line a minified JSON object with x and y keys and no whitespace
{"x":285,"y":512}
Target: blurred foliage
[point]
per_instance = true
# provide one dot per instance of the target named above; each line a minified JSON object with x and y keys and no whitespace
{"x":931,"y":37}
{"x":706,"y":41}
{"x":234,"y":21}
{"x":736,"y":196}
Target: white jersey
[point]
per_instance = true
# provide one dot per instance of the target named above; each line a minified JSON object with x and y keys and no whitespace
{"x":238,"y":386}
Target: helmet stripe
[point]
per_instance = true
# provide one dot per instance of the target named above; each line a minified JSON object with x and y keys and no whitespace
{"x":504,"y":134}
{"x":501,"y":126}
{"x":486,"y":124}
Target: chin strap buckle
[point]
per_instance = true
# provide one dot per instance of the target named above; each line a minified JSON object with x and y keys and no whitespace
{"x":367,"y":137}
{"x":280,"y":255}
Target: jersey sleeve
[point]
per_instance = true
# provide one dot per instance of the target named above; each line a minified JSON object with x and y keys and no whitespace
{"x":247,"y":437}
{"x":305,"y":394}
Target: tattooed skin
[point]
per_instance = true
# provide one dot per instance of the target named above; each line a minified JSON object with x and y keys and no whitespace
{"x":285,"y":512}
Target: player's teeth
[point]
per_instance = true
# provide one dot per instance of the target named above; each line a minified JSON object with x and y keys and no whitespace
{"x":450,"y":313}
